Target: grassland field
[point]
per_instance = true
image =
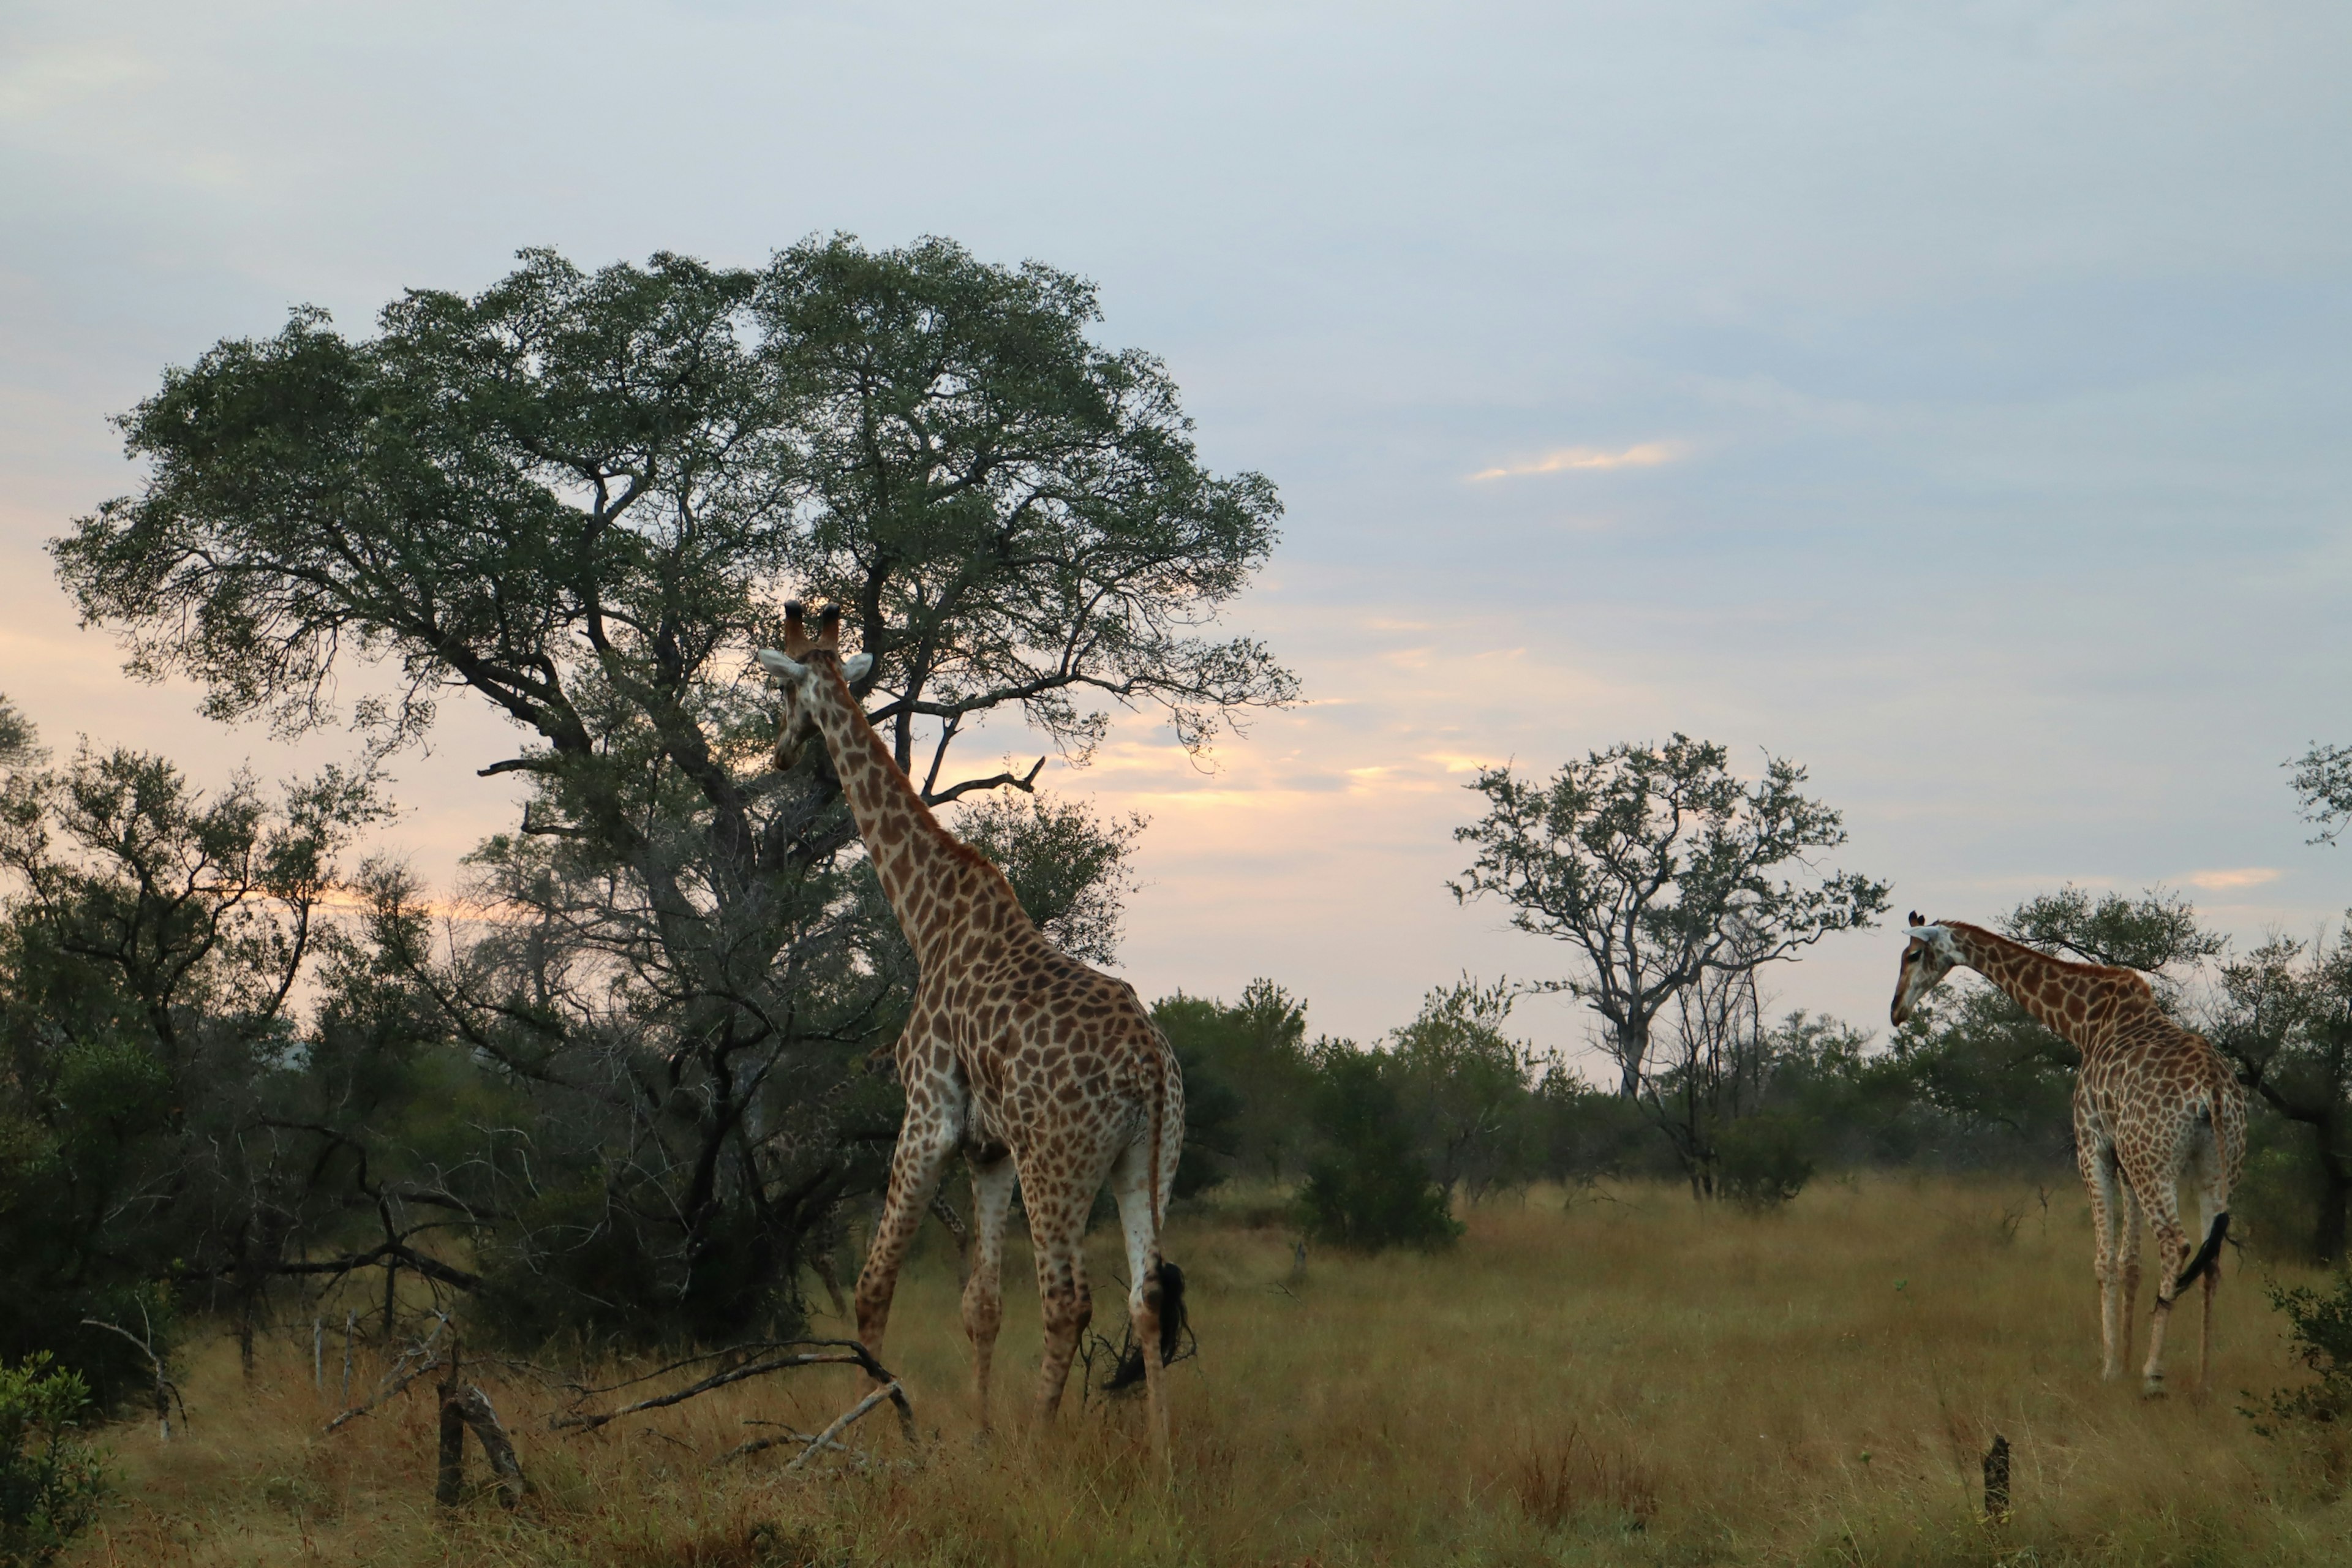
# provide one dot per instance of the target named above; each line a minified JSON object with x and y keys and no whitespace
{"x":1624,"y":1377}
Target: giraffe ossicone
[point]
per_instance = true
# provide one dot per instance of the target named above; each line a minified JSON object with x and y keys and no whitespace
{"x":1034,"y":1065}
{"x":2154,"y":1104}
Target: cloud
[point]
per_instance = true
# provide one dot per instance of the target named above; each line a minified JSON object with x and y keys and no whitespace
{"x":1647,"y":455}
{"x":2242,"y":876}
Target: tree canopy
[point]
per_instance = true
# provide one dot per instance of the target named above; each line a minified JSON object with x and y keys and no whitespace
{"x":582,"y":497}
{"x":1658,"y":866}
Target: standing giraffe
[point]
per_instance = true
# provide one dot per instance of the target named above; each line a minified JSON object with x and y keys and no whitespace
{"x":1031,"y":1063}
{"x":2153,"y":1103}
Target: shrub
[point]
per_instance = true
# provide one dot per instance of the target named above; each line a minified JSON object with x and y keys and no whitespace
{"x":1763,"y":1160}
{"x":49,"y":1480}
{"x":1369,"y":1188}
{"x":2319,"y":1331}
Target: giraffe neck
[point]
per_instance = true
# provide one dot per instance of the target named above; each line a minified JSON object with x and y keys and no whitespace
{"x":920,"y":863}
{"x":2076,"y":1002}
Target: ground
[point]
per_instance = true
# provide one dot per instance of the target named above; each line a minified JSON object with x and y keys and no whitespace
{"x":1621,"y":1378}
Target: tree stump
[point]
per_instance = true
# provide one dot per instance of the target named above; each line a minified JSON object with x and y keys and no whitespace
{"x":1996,"y":1480}
{"x":464,"y":1405}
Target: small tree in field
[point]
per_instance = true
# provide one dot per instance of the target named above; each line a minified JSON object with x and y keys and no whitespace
{"x":1659,"y":866}
{"x":1369,"y":1187}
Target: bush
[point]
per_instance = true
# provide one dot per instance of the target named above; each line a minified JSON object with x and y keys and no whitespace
{"x":49,"y":1480}
{"x":1763,"y":1160}
{"x":1368,"y":1188}
{"x":2319,"y":1331}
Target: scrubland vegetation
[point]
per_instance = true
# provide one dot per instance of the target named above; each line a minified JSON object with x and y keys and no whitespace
{"x":625,"y":1093}
{"x":1630,"y":1378}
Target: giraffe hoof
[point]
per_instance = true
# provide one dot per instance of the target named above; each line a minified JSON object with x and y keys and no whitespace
{"x":2152,"y":1389}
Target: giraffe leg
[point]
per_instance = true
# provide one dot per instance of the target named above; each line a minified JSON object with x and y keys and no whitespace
{"x":983,"y":1296}
{"x":1135,"y":1184}
{"x":1057,"y":1226}
{"x":2127,"y":1268}
{"x":926,"y":1140}
{"x":2099,"y":1178}
{"x":2212,"y":1201}
{"x":2172,"y":1250}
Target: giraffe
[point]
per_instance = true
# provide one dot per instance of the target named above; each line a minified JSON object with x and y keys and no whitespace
{"x":1038,"y":1069}
{"x":2153,"y":1103}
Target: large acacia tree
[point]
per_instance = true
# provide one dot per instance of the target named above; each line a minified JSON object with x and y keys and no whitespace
{"x":1659,"y":866}
{"x":581,"y":497}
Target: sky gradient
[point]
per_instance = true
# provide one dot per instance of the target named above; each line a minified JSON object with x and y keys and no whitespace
{"x":1950,"y":399}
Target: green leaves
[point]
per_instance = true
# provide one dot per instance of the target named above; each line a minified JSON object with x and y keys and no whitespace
{"x":2152,"y":932}
{"x":50,"y":1481}
{"x":1659,"y":865}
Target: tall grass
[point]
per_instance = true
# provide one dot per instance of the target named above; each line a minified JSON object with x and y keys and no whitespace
{"x":1630,"y":1380}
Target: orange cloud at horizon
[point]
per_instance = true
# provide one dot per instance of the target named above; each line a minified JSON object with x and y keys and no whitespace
{"x":1645,"y":455}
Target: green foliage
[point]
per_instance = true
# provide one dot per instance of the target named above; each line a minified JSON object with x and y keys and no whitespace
{"x":2285,"y":1023}
{"x":644,"y":1092}
{"x":2319,"y":1333}
{"x":1248,"y":1072}
{"x":50,"y":1481}
{"x":1369,"y":1187}
{"x":155,"y":1119}
{"x":1465,"y":1086}
{"x":2153,"y":932}
{"x":1765,"y":1159}
{"x":1658,"y":866}
{"x":1067,"y":866}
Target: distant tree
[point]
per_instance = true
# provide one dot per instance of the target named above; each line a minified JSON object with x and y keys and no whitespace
{"x":2323,"y":789}
{"x":19,"y":742}
{"x":1465,"y":1084}
{"x":153,"y":941}
{"x":2286,"y":1021}
{"x":1368,"y":1186}
{"x":1257,"y":1049}
{"x":1659,"y":866}
{"x":581,"y":499}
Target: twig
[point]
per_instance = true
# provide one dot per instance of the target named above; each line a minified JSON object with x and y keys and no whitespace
{"x":852,"y":1353}
{"x":843,"y":1422}
{"x":166,"y":1392}
{"x":715,"y":1381}
{"x":759,"y":1445}
{"x":395,"y":1382}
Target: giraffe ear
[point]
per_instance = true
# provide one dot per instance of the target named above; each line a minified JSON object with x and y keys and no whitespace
{"x":778,"y":663}
{"x":856,"y":667}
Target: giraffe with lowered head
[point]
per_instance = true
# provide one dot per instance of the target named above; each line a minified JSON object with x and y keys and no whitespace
{"x":1034,"y":1065}
{"x":2153,"y":1104}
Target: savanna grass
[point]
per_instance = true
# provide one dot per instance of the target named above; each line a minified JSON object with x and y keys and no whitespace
{"x":1631,"y":1379}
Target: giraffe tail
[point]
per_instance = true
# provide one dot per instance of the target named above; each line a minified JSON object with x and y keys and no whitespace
{"x":1172,"y":1322}
{"x":2207,"y":1256}
{"x":1170,"y":1279}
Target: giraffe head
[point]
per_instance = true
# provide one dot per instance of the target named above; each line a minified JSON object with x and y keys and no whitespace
{"x":798,"y":670}
{"x":1927,"y":957}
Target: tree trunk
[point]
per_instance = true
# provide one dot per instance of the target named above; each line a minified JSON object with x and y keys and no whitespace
{"x":2334,"y":1194}
{"x":1632,"y":1051}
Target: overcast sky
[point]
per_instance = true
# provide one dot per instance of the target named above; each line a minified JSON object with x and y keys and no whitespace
{"x":1951,"y":398}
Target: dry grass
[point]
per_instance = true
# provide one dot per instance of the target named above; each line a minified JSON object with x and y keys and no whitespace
{"x":1632,"y":1381}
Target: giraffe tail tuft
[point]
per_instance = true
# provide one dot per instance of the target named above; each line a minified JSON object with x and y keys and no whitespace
{"x":2207,"y":1256}
{"x":1173,"y":1320}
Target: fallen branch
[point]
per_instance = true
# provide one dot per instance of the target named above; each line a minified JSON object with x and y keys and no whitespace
{"x":167,"y":1392}
{"x":474,"y":1408}
{"x":717,"y":1380}
{"x":397,"y":1380}
{"x":818,"y":1353}
{"x":843,"y":1422}
{"x":760,"y":1445}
